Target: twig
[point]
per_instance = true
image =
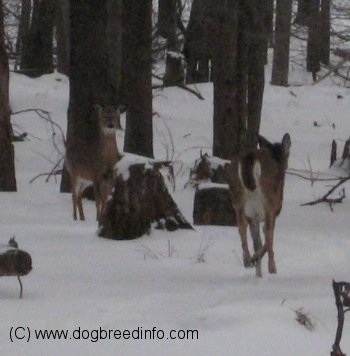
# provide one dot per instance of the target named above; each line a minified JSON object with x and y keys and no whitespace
{"x":330,"y":201}
{"x":50,"y":174}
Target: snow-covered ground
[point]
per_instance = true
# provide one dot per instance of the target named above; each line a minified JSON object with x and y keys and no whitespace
{"x":191,"y":282}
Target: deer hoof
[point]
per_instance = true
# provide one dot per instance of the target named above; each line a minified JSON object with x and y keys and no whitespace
{"x":272,"y":267}
{"x":247,"y":260}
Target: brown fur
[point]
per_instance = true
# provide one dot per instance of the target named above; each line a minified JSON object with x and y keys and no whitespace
{"x":258,"y":199}
{"x":93,"y":161}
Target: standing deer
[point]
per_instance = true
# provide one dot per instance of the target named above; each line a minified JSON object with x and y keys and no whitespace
{"x":93,"y":161}
{"x":256,"y":185}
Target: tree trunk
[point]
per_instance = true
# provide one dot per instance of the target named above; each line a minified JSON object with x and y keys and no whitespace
{"x":7,"y":161}
{"x":303,"y":12}
{"x":199,"y":41}
{"x":23,"y":26}
{"x":257,"y":57}
{"x":137,"y":76}
{"x":114,"y":45}
{"x":167,"y":28}
{"x":313,"y":43}
{"x":227,"y":128}
{"x":37,"y":45}
{"x":325,"y":32}
{"x":280,"y":67}
{"x":62,"y":36}
{"x":139,"y":199}
{"x":90,"y":83}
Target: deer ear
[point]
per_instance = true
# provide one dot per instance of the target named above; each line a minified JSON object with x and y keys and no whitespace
{"x":286,"y":142}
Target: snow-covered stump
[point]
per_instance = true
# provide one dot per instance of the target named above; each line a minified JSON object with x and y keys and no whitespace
{"x":139,"y":199}
{"x":213,"y":205}
{"x":14,"y":262}
{"x":212,"y":202}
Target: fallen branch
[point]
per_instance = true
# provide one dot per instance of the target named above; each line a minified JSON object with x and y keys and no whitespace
{"x":330,"y":201}
{"x":179,"y":85}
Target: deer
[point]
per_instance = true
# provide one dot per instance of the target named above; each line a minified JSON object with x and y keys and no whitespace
{"x":93,"y":162}
{"x":256,"y":180}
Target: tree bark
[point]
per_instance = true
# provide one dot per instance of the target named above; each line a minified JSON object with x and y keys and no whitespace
{"x":37,"y":44}
{"x":23,"y":24}
{"x":280,"y":67}
{"x":167,"y":28}
{"x":303,"y":12}
{"x":199,"y":41}
{"x":137,"y":76}
{"x":7,"y":161}
{"x":227,"y":128}
{"x":62,"y":36}
{"x":313,"y":43}
{"x":325,"y":32}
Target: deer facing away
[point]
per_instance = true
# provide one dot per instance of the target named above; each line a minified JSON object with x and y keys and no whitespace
{"x":256,"y":181}
{"x":93,"y":161}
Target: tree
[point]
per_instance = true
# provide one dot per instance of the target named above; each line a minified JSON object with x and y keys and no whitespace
{"x":23,"y":24}
{"x":199,"y":41}
{"x":90,"y":82}
{"x":137,"y":76}
{"x":280,"y":66}
{"x":238,"y":72}
{"x":313,"y":43}
{"x":37,"y":39}
{"x":227,"y":126}
{"x":303,"y":12}
{"x":7,"y":165}
{"x":325,"y":31}
{"x":167,"y":28}
{"x":62,"y":36}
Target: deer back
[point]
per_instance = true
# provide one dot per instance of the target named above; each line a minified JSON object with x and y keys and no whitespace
{"x":256,"y":177}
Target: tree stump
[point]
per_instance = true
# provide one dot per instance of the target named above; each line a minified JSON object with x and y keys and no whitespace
{"x":14,"y":262}
{"x":139,"y":198}
{"x":213,"y":205}
{"x":212,"y":201}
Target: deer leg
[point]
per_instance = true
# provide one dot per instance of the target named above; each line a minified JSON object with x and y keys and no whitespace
{"x":268,"y":230}
{"x":80,"y":205}
{"x":242,"y":229}
{"x":254,"y":227}
{"x":74,"y":197}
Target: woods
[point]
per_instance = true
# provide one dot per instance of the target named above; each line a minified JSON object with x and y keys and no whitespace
{"x":145,"y":147}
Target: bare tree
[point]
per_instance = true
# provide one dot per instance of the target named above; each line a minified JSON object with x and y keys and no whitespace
{"x":325,"y":31}
{"x":167,"y":28}
{"x":62,"y":36}
{"x":7,"y":165}
{"x":280,"y":66}
{"x":37,"y":40}
{"x":313,"y":43}
{"x":199,"y":41}
{"x":137,"y":76}
{"x":227,"y":127}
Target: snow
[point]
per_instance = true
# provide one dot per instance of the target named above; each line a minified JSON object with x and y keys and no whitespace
{"x":184,"y":280}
